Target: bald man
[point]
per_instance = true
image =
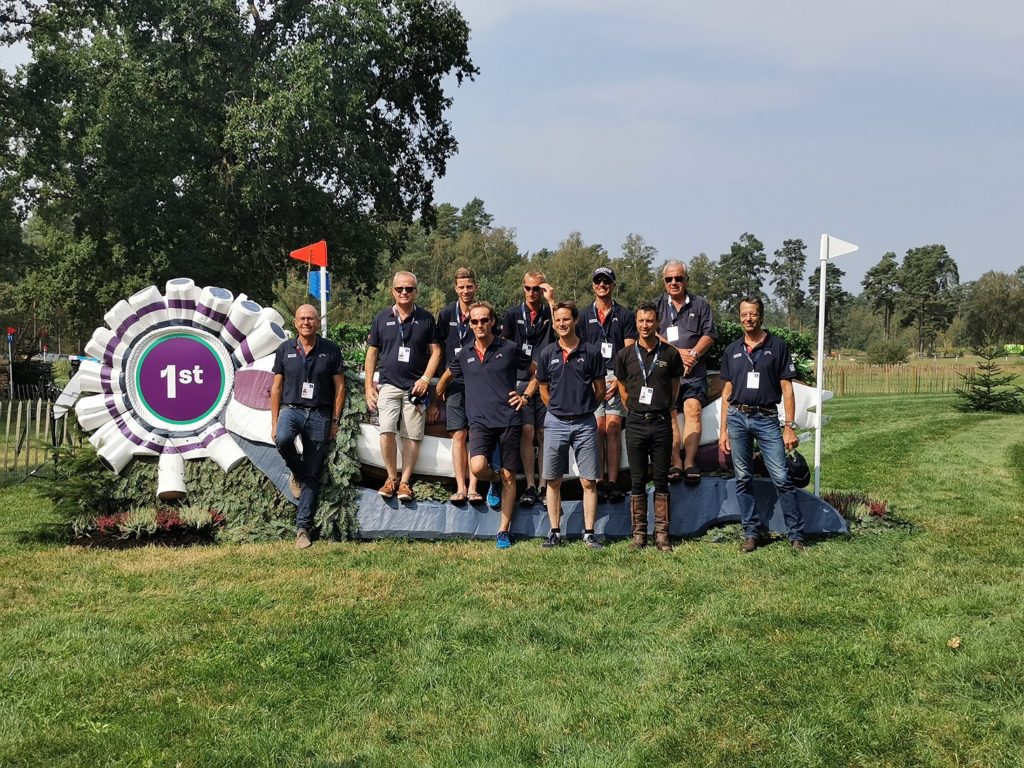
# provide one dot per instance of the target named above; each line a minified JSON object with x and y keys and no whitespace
{"x":306,"y":401}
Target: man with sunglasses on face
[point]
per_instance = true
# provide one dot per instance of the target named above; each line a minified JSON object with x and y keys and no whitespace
{"x":685,"y":322}
{"x":453,"y":333}
{"x":610,"y":327}
{"x":528,"y":325}
{"x":488,"y":367}
{"x":403,"y":351}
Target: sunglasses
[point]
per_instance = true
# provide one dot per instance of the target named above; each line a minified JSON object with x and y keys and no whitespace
{"x":676,"y":279}
{"x":602,"y":281}
{"x":479,"y":320}
{"x":404,"y":288}
{"x":532,"y":288}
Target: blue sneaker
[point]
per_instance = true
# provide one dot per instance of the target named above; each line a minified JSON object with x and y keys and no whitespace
{"x":504,"y":541}
{"x":494,"y":495}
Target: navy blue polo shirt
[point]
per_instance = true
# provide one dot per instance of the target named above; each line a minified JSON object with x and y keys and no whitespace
{"x":388,"y":335}
{"x":570,"y":379}
{"x":693,"y":320}
{"x":453,"y":331}
{"x":771,"y":359}
{"x":320,"y":367}
{"x":489,"y":381}
{"x":516,"y":324}
{"x":663,"y":366}
{"x":619,"y":325}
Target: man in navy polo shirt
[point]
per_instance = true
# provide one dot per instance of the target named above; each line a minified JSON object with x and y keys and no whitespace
{"x":403,"y":351}
{"x":528,"y":325}
{"x":571,"y":373}
{"x":488,"y":369}
{"x":685,"y":322}
{"x":758,"y":371}
{"x":610,"y":327}
{"x":309,"y":382}
{"x":647,"y":375}
{"x":453,"y":333}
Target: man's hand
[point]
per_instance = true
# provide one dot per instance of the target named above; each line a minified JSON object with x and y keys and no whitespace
{"x":334,"y":429}
{"x":549,"y":292}
{"x":723,"y":440}
{"x":433,"y":412}
{"x":420,"y":387}
{"x":789,"y":438}
{"x":371,"y":398}
{"x":516,"y":400}
{"x":273,"y":431}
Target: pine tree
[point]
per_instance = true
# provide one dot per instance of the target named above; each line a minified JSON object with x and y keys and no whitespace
{"x":988,"y":388}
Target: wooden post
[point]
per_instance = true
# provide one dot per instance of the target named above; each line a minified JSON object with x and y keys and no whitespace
{"x":7,"y":432}
{"x":28,"y":436}
{"x":39,"y":415}
{"x":17,"y":431}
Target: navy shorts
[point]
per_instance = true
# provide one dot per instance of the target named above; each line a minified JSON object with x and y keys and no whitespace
{"x":483,"y":439}
{"x":455,"y":408}
{"x":693,"y":388}
{"x":535,"y":410}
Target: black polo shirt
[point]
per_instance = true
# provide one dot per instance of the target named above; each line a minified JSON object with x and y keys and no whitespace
{"x":692,"y":321}
{"x":570,"y":380}
{"x":320,"y":368}
{"x":664,"y":367}
{"x":619,"y":325}
{"x":388,"y":336}
{"x":453,"y":331}
{"x":771,"y":360}
{"x":489,"y":381}
{"x":517,"y":325}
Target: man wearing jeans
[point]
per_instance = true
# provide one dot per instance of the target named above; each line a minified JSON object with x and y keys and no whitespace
{"x":309,"y":382}
{"x":758,"y":372}
{"x":572,"y":381}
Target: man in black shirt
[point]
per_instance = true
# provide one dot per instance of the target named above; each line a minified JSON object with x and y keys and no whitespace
{"x":647,"y":375}
{"x":309,"y":382}
{"x":758,"y":372}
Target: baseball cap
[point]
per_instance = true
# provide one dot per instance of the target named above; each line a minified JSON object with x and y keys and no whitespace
{"x":604,"y":272}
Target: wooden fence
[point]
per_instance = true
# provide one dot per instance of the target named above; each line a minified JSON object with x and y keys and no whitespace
{"x":894,"y":379}
{"x":29,"y":434}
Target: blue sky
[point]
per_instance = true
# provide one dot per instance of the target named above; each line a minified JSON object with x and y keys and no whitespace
{"x":888,"y":124}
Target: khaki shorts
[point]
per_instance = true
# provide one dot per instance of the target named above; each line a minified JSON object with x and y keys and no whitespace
{"x":393,"y":406}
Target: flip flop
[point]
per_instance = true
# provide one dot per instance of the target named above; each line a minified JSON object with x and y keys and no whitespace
{"x":475,"y":498}
{"x":691,"y":476}
{"x":675,"y":474}
{"x":458,"y":499}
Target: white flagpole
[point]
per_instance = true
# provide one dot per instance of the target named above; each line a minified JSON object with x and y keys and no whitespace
{"x":830,"y":248}
{"x":323,"y":299}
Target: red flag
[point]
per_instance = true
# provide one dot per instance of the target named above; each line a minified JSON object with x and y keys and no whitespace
{"x":315,"y":254}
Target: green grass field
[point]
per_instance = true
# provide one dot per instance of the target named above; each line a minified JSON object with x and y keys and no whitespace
{"x":409,"y":654}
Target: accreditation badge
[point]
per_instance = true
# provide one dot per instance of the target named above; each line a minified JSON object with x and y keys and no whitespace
{"x":307,"y":390}
{"x":646,"y":395}
{"x":753,"y":380}
{"x":403,"y":354}
{"x":606,"y":350}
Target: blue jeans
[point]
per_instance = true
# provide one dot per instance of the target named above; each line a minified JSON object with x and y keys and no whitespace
{"x":314,"y":429}
{"x":744,"y":428}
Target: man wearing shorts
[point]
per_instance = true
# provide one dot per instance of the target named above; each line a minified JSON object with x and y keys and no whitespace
{"x":610,"y":327}
{"x":528,"y":325}
{"x":402,"y":350}
{"x":572,"y":382}
{"x":487,"y":367}
{"x":685,"y":322}
{"x":453,"y":334}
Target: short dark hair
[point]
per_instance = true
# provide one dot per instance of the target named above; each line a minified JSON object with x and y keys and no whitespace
{"x":646,"y":306}
{"x":570,"y":305}
{"x":752,"y":300}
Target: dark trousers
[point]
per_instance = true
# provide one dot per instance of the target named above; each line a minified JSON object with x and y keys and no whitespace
{"x":649,"y":442}
{"x":314,"y":428}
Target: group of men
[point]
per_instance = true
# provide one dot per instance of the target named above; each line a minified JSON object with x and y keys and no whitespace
{"x":520,"y":391}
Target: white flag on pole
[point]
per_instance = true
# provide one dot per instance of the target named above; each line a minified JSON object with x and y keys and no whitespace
{"x":835,"y":247}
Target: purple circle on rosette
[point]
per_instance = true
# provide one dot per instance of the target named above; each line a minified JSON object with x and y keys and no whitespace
{"x":180,"y":379}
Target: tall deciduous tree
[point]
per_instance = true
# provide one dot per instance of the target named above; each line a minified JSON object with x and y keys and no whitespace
{"x":787,"y":272}
{"x":741,"y":272}
{"x":881,"y":286}
{"x":993,"y":309}
{"x":207,"y":139}
{"x":634,"y":272}
{"x":928,"y":281}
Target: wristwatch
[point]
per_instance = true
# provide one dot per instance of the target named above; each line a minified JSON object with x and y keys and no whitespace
{"x":790,"y":424}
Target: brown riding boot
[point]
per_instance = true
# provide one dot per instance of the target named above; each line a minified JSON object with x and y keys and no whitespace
{"x":661,"y":522}
{"x":638,"y":512}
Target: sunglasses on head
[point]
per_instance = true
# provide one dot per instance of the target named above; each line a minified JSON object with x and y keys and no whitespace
{"x":532,"y":288}
{"x":675,"y":279}
{"x":405,"y":288}
{"x":479,"y":320}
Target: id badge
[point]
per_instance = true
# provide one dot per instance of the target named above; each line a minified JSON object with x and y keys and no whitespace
{"x":646,"y":395}
{"x":403,"y":354}
{"x":606,"y":350}
{"x":307,"y":390}
{"x":672,"y":334}
{"x":753,"y":379}
{"x":609,"y":375}
{"x":528,"y":348}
